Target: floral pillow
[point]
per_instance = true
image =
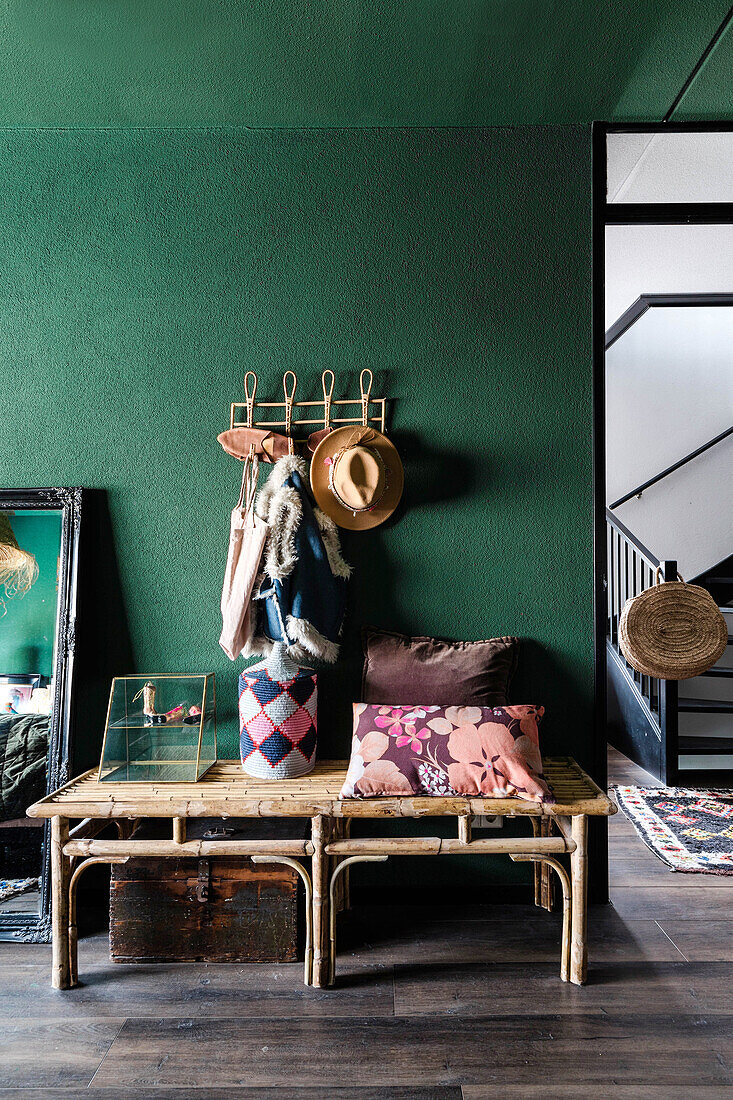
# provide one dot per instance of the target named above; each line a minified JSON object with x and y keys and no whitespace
{"x":480,"y":751}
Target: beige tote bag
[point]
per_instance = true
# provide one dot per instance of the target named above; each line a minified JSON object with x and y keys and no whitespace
{"x":246,"y":542}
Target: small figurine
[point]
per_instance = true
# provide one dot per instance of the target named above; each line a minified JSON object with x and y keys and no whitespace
{"x":152,"y":718}
{"x":149,"y":699}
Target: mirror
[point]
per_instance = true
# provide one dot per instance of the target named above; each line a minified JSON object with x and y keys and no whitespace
{"x":39,"y":540}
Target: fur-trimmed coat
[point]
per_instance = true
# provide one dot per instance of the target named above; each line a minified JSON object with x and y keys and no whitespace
{"x":301,"y":596}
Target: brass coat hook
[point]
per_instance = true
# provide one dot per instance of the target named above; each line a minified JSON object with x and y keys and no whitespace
{"x":366,"y":391}
{"x":289,"y":397}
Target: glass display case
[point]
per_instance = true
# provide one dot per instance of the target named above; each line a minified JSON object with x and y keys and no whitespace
{"x":159,"y":729}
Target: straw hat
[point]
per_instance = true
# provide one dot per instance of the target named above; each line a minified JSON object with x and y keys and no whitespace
{"x":672,"y":631}
{"x":357,"y":477}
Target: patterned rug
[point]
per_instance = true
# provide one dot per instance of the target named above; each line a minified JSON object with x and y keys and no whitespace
{"x":688,"y":830}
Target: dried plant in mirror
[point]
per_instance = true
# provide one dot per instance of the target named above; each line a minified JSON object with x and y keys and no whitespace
{"x":18,"y":568}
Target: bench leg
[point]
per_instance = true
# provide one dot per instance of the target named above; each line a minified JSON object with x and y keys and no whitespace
{"x":342,"y":894}
{"x":579,"y":884}
{"x":347,"y":873}
{"x":337,"y":877}
{"x":544,"y":884}
{"x":550,"y":862}
{"x":60,"y":876}
{"x":319,"y":834}
{"x":306,"y":880}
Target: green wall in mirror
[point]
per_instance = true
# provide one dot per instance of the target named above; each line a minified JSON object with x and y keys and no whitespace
{"x":28,"y":625}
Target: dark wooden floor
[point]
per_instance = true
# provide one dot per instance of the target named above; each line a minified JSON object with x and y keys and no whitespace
{"x":449,"y":1004}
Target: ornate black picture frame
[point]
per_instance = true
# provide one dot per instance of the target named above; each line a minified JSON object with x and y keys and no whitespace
{"x":35,"y":927}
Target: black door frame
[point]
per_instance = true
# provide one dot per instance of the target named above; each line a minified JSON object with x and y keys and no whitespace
{"x":605,"y":213}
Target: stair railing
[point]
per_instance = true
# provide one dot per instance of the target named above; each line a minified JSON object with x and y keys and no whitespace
{"x":671,"y":469}
{"x":630,"y":569}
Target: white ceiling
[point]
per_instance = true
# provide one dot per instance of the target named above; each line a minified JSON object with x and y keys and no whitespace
{"x":673,"y":167}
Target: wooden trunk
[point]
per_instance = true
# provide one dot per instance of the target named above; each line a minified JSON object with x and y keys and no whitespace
{"x":218,"y":909}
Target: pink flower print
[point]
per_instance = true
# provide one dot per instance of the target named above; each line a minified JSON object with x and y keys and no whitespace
{"x":391,"y":720}
{"x":382,"y":777}
{"x":453,"y":717}
{"x":462,"y":716}
{"x":528,"y":717}
{"x":394,"y":718}
{"x":412,"y":738}
{"x":474,"y":751}
{"x":373,"y":746}
{"x":488,"y":761}
{"x":528,"y":752}
{"x":441,"y":726}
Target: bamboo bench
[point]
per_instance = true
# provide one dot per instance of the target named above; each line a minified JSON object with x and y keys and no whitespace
{"x":226,"y":792}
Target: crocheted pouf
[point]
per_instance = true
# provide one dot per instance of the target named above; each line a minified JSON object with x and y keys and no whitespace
{"x":277,"y":718}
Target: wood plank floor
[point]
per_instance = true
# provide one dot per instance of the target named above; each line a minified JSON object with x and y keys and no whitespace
{"x":448,"y":1004}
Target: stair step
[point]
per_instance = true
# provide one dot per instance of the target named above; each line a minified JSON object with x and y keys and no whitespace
{"x":710,"y":706}
{"x":726,"y":673}
{"x":714,"y":746}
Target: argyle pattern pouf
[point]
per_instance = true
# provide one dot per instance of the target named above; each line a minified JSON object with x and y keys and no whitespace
{"x":278,"y":724}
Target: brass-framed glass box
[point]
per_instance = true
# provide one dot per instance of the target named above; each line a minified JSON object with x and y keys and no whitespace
{"x":159,"y":729}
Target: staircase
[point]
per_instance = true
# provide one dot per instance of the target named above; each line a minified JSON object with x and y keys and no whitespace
{"x":705,"y":728}
{"x":669,"y":455}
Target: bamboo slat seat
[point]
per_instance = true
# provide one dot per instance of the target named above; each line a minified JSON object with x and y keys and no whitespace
{"x":225,"y":791}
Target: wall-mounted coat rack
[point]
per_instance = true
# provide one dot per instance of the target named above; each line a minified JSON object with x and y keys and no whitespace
{"x":289,"y":404}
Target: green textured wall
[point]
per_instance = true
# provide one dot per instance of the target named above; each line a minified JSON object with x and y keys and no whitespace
{"x":27,"y":628}
{"x":192,"y":191}
{"x":346,"y":62}
{"x":144,"y":271}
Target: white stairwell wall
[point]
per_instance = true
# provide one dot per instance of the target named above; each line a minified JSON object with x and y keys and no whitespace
{"x":665,"y":259}
{"x":688,"y":515}
{"x":669,"y":388}
{"x":669,"y":381}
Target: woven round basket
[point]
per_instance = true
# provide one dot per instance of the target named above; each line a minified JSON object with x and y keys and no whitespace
{"x":672,"y":631}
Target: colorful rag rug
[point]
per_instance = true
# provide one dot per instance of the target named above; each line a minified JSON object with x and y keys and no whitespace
{"x":12,"y":887}
{"x":688,"y":830}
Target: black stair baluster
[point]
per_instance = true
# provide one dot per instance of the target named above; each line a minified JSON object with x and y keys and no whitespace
{"x":626,"y":574}
{"x":637,"y":675}
{"x":612,"y":584}
{"x":631,"y":570}
{"x":657,"y":709}
{"x":609,"y":587}
{"x":669,"y":712}
{"x":619,"y":572}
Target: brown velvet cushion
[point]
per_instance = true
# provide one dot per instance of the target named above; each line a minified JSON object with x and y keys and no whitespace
{"x":437,"y":672}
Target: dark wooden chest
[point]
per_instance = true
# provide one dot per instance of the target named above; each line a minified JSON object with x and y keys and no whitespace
{"x":219,"y":909}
